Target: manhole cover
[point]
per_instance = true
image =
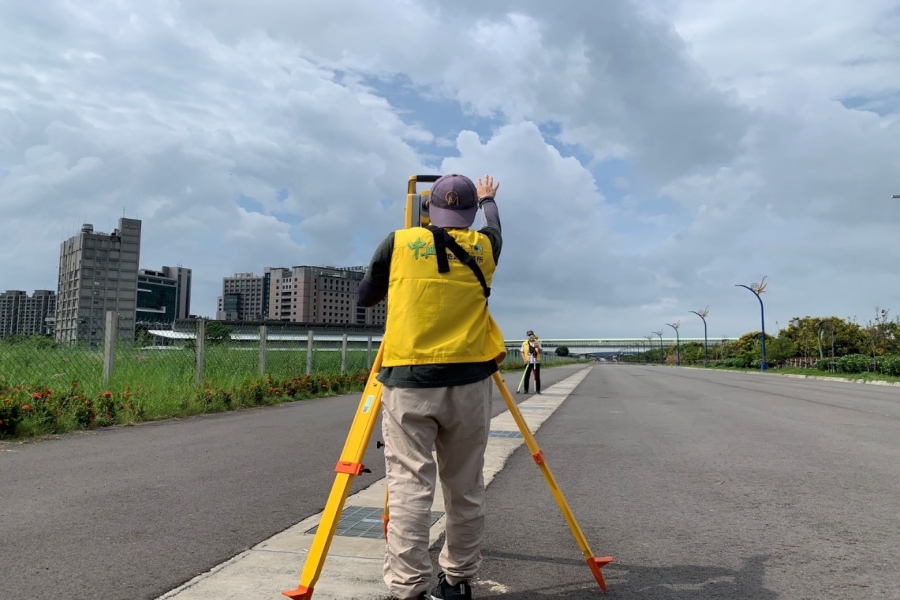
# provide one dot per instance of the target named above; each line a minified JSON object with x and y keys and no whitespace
{"x":504,"y":434}
{"x":365,"y":522}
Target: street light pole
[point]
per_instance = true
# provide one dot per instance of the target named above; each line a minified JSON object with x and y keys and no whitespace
{"x":702,"y":314}
{"x":677,"y":342}
{"x":662,"y":354}
{"x":757,"y":289}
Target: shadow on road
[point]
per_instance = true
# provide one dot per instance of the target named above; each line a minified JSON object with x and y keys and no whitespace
{"x":679,"y":582}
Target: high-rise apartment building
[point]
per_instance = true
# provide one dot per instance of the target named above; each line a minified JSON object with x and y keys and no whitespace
{"x":302,"y":294}
{"x":242,"y":298}
{"x":163,"y":296}
{"x":21,"y":315}
{"x":320,"y":295}
{"x":98,"y":272}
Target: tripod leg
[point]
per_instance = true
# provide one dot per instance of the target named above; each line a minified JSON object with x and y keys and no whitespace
{"x":349,"y":465}
{"x":595,"y":563}
{"x":522,"y":380}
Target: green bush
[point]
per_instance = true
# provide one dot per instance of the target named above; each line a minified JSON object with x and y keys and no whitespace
{"x":744,"y":361}
{"x":890,"y":365}
{"x":853,"y":363}
{"x":826,"y":364}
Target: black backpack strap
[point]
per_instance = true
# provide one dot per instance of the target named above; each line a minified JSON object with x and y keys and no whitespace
{"x":443,"y":241}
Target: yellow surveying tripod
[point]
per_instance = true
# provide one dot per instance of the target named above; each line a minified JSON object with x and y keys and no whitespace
{"x":350,"y":465}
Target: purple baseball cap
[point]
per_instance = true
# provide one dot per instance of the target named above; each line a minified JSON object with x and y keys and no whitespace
{"x":454,"y":201}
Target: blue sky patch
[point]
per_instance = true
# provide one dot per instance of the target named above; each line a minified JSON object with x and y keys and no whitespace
{"x":882,"y":104}
{"x":250,"y":204}
{"x":443,"y":118}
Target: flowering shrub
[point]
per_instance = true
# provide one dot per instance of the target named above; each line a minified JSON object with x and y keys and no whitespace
{"x":859,"y":363}
{"x":890,"y":365}
{"x":28,"y":410}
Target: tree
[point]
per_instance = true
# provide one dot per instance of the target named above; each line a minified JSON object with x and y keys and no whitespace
{"x":562,"y":351}
{"x":805,"y":332}
{"x":692,"y":352}
{"x":780,"y":349}
{"x":217,"y":333}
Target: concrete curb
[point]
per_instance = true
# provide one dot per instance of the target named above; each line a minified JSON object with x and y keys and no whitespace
{"x":811,"y":377}
{"x":353,"y":569}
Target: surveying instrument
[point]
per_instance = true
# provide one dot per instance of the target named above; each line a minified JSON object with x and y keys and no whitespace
{"x":350,"y":464}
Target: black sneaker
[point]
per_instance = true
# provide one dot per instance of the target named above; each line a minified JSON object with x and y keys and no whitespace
{"x":445,"y":591}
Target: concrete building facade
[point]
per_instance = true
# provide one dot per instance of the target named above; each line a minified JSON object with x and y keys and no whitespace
{"x":98,"y":272}
{"x":307,"y":294}
{"x":27,"y":316}
{"x":242,"y":298}
{"x":303,"y":294}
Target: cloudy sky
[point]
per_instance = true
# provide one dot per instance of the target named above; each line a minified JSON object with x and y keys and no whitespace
{"x":652,"y":154}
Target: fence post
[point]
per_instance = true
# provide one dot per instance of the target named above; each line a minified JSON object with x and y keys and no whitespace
{"x":263,"y":340}
{"x":200,"y":349}
{"x":110,"y":335}
{"x":309,"y":352}
{"x":344,"y":354}
{"x":369,"y":352}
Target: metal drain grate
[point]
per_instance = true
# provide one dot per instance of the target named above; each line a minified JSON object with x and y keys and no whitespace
{"x":504,"y":434}
{"x":364,"y":522}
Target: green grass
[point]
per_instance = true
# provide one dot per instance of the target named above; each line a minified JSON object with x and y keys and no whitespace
{"x":63,"y":388}
{"x":53,"y":390}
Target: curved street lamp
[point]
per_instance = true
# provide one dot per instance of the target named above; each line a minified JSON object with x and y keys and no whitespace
{"x":757,"y":289}
{"x":702,"y":314}
{"x":662,"y":354}
{"x":675,"y":326}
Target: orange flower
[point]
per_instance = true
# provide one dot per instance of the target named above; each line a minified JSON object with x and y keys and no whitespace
{"x":107,"y":394}
{"x":36,"y":396}
{"x":26,"y":407}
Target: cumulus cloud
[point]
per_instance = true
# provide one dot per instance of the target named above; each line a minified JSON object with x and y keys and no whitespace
{"x":651,"y":155}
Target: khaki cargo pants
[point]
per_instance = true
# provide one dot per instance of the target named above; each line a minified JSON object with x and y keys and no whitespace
{"x":456,"y":420}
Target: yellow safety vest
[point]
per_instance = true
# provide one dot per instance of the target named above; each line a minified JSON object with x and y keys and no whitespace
{"x":526,"y":355}
{"x":439,"y":318}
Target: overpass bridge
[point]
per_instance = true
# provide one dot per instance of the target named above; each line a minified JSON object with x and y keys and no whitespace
{"x":248,"y":333}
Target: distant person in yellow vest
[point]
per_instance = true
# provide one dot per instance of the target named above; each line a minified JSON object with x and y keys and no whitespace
{"x":441,"y":347}
{"x":531,"y":356}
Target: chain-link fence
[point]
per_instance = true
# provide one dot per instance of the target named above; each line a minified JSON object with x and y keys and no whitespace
{"x":199,"y":366}
{"x":194,"y":367}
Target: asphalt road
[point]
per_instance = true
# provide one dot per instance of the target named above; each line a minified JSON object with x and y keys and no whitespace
{"x":132,"y":512}
{"x":706,"y":485}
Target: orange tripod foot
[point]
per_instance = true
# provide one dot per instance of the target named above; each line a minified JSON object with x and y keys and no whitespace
{"x":596,"y":564}
{"x":301,"y":593}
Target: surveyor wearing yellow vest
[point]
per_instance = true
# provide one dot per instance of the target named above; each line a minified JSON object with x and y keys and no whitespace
{"x":441,"y":347}
{"x":531,"y":356}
